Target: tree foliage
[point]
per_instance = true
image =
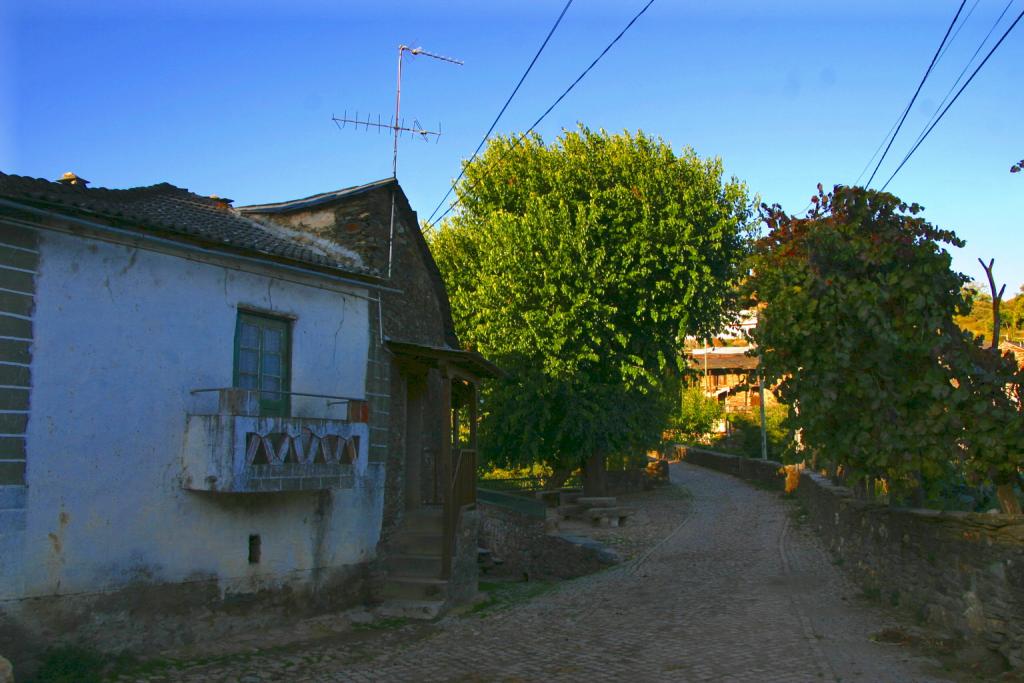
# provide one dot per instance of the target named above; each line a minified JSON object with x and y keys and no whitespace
{"x":857,"y":326}
{"x":857,"y":298}
{"x":579,"y":267}
{"x":697,"y":413}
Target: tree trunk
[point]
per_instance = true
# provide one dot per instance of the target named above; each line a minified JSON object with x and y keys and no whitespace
{"x":558,"y":478}
{"x":594,"y":480}
{"x":1008,"y":500}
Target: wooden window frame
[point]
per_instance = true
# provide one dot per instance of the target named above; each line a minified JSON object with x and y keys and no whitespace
{"x":280,"y":407}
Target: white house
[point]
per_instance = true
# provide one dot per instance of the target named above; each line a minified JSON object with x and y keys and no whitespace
{"x":197,"y":404}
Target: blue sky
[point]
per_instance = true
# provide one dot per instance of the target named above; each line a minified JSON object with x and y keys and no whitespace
{"x":235,"y":98}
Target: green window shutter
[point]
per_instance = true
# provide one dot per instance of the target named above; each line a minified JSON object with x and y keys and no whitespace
{"x":263,"y":360}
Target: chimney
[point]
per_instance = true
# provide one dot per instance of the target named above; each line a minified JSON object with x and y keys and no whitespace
{"x":222,"y":202}
{"x":70,"y":178}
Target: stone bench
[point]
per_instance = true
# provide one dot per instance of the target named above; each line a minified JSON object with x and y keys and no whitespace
{"x":596,"y":501}
{"x":609,"y":516}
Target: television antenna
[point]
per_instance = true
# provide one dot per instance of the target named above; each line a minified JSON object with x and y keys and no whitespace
{"x":397,"y":127}
{"x":397,"y":124}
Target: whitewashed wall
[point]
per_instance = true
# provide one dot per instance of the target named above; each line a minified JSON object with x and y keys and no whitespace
{"x":122,"y":335}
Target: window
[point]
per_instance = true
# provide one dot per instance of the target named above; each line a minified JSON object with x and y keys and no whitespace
{"x":263,"y":360}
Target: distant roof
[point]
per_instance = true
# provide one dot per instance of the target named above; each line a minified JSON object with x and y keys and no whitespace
{"x":315,"y":200}
{"x":723,"y":358}
{"x":177,"y":213}
{"x":1016,"y":349}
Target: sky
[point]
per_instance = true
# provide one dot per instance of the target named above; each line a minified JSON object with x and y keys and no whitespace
{"x":235,"y":98}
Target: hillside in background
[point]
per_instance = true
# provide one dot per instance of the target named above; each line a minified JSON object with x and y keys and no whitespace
{"x":979,"y":320}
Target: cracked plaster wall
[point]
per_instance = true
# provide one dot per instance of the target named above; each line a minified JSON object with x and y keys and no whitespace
{"x":121,"y":337}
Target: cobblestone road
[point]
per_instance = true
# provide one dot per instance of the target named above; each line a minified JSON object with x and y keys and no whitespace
{"x":737,"y":592}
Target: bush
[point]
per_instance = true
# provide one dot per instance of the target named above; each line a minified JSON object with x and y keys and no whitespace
{"x":745,"y":438}
{"x":697,"y":414}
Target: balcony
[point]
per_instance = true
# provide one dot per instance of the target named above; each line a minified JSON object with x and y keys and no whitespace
{"x":237,"y":450}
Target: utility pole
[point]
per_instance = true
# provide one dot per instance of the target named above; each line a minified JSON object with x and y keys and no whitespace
{"x":764,"y":422}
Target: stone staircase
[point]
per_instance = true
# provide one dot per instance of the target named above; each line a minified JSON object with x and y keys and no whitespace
{"x":414,"y":588}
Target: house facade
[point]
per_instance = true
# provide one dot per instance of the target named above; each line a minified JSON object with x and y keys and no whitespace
{"x":205,"y":406}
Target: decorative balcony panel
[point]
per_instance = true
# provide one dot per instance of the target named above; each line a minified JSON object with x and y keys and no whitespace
{"x":250,"y":454}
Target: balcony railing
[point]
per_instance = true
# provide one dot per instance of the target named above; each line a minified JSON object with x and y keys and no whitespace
{"x":239,"y":451}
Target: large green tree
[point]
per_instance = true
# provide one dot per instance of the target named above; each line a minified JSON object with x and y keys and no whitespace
{"x":858,"y":302}
{"x":579,"y":266}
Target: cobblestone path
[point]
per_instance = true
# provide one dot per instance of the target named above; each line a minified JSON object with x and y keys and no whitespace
{"x":737,"y":592}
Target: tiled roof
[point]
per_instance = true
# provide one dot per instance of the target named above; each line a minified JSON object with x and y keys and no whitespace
{"x":723,"y":358}
{"x":173,"y":212}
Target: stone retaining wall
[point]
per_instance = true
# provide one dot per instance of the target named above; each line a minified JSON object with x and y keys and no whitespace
{"x":524,"y":549}
{"x":963,"y":572}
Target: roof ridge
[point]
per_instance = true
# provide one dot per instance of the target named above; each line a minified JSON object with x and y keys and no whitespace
{"x":318,"y":198}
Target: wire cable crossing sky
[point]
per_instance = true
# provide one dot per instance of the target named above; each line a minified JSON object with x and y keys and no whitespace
{"x":917,"y":92}
{"x":953,"y":101}
{"x":497,"y":118}
{"x":561,"y":97}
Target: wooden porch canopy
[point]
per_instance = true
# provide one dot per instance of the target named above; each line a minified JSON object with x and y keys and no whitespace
{"x":457,"y":461}
{"x":466,"y":364}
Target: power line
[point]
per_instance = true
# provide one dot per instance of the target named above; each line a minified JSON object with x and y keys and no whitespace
{"x":554,"y":104}
{"x":963,"y":71}
{"x":877,"y":150}
{"x":939,"y":59}
{"x":906,"y":111}
{"x":955,"y":97}
{"x":958,"y":29}
{"x":503,"y":108}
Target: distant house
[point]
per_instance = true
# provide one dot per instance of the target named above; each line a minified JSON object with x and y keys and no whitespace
{"x":1016,"y":349}
{"x":205,"y":406}
{"x":729,"y":374}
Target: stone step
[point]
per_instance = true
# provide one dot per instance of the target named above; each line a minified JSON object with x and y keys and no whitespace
{"x":414,"y":588}
{"x":417,"y":543}
{"x":411,"y":609}
{"x":412,"y":564}
{"x":596,"y":501}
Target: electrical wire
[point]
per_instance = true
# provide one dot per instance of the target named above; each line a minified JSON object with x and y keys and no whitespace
{"x":963,"y":71}
{"x":910,"y":104}
{"x":958,"y":29}
{"x":554,"y":104}
{"x":939,"y":59}
{"x":500,"y":113}
{"x":953,"y":101}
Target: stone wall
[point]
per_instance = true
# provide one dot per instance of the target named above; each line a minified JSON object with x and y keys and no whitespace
{"x":150,"y":617}
{"x":962,"y":572}
{"x":518,"y":540}
{"x":462,"y":586}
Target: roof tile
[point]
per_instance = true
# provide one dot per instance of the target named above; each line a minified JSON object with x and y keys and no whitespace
{"x":164,"y":208}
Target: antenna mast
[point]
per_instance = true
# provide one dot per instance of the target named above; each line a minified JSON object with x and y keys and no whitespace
{"x":402,"y":49}
{"x":397,"y":126}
